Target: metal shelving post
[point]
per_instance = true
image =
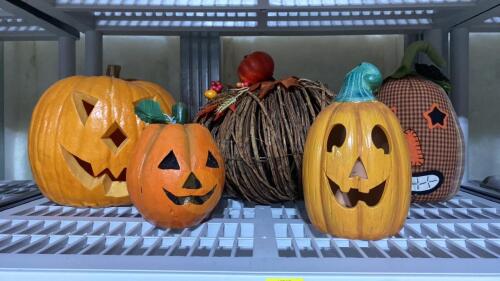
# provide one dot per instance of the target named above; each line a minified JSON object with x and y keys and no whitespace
{"x":93,"y":52}
{"x":459,"y":76}
{"x":439,"y":40}
{"x":67,"y":56}
{"x":200,"y":64}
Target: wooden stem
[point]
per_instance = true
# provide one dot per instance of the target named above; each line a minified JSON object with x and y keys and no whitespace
{"x":113,"y":70}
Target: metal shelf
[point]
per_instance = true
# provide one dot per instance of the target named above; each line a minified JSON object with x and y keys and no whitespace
{"x":455,"y":240}
{"x":49,"y":19}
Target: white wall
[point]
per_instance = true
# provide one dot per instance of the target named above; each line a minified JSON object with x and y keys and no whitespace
{"x":323,"y":58}
{"x":484,"y":105}
{"x":30,"y":67}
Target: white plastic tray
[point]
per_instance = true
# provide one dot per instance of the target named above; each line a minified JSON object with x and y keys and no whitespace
{"x":456,"y":240}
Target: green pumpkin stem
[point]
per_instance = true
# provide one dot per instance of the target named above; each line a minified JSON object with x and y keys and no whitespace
{"x":180,"y":113}
{"x":411,"y":52}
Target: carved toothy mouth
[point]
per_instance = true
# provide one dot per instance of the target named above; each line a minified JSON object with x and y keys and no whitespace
{"x":426,"y":182}
{"x":115,"y":186}
{"x":193,"y":199}
{"x":353,"y":196}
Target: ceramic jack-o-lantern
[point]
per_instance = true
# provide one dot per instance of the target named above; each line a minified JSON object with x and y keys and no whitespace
{"x":82,"y":132}
{"x":356,"y":168}
{"x":176,"y":174}
{"x":418,"y":97}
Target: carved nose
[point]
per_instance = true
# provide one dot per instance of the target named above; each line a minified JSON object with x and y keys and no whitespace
{"x":358,"y":170}
{"x":192,"y":182}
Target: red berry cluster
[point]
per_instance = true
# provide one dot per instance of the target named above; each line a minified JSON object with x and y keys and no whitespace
{"x":216,"y":86}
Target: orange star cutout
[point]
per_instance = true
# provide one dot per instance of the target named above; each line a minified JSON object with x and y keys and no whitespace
{"x":436,"y":117}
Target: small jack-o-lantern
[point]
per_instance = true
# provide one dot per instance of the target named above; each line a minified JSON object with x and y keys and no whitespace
{"x":82,"y":132}
{"x":176,"y":174}
{"x":356,"y":169}
{"x":436,"y":144}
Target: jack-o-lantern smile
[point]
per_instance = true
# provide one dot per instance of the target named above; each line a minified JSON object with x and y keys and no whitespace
{"x":190,"y":199}
{"x":87,"y":168}
{"x":113,"y":184}
{"x":351,"y":198}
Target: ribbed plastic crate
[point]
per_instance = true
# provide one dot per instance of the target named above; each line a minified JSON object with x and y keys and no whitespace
{"x":456,"y":240}
{"x":12,"y":192}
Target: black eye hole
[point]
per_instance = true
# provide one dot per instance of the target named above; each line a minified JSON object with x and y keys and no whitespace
{"x":211,"y":161}
{"x":379,"y":139}
{"x":336,"y":137}
{"x":169,"y":162}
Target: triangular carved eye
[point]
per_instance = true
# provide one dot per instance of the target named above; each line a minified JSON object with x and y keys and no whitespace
{"x":169,"y":162}
{"x":84,"y":105}
{"x":211,"y":161}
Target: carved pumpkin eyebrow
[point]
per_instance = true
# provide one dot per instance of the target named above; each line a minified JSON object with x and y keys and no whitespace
{"x":84,"y":105}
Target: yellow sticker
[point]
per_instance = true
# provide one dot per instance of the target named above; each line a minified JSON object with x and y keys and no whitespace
{"x":284,"y":279}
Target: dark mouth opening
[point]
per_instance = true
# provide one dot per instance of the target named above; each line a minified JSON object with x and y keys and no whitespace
{"x":193,"y":199}
{"x":87,"y":167}
{"x":353,"y":196}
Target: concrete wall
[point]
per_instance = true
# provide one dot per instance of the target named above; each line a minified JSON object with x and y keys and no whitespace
{"x":30,"y":67}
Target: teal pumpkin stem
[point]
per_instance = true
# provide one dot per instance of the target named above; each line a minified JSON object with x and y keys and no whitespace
{"x":360,"y":84}
{"x":411,"y":52}
{"x":180,"y":113}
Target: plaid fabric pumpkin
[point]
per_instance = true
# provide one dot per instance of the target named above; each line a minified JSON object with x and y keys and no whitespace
{"x":433,"y":133}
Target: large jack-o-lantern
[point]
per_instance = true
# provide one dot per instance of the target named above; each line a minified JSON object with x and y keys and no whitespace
{"x":436,"y":144}
{"x":356,"y":168}
{"x":82,"y":132}
{"x":176,"y":174}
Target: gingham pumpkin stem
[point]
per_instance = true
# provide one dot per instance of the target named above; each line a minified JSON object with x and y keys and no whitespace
{"x":410,"y":55}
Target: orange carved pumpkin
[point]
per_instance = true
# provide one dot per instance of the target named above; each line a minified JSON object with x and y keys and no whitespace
{"x":176,"y":174}
{"x":82,"y":132}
